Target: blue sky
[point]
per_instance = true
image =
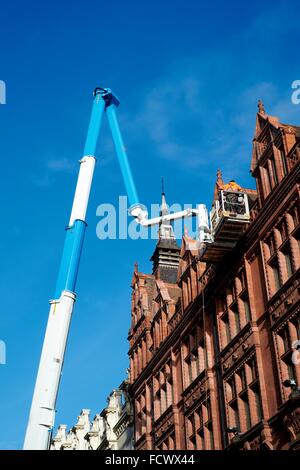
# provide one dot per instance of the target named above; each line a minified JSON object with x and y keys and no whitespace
{"x":188,"y":75}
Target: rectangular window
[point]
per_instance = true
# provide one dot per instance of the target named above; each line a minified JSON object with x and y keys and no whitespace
{"x":224,"y":303}
{"x":195,"y":363}
{"x":232,"y":292}
{"x":285,"y":339}
{"x":231,"y":383}
{"x":237,"y":320}
{"x":200,"y":416}
{"x":205,"y":356}
{"x":171,"y":394}
{"x":247,"y":412}
{"x":201,"y":437}
{"x":267,"y":179}
{"x":189,"y":369}
{"x":283,"y":232}
{"x":238,"y":401}
{"x":276,"y":275}
{"x":247,"y":310}
{"x":290,"y":368}
{"x":225,"y":320}
{"x":252,"y":366}
{"x":202,"y":355}
{"x":144,"y":420}
{"x":158,"y":404}
{"x":271,"y":246}
{"x":208,"y":410}
{"x":242,"y":375}
{"x":258,"y":404}
{"x":192,"y":434}
{"x":275,"y":179}
{"x":295,"y":216}
{"x":236,"y":417}
{"x":164,"y":401}
{"x":296,"y":323}
{"x":243,"y":279}
{"x":288,"y":263}
{"x":211,"y":436}
{"x":283,"y":162}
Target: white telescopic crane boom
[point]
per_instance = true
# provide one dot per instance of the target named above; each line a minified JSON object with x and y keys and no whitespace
{"x":42,"y":412}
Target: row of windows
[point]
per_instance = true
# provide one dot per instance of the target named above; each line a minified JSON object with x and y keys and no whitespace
{"x":194,"y":355}
{"x":138,"y":359}
{"x":285,"y":337}
{"x":141,"y":415}
{"x":163,"y":390}
{"x":282,"y":250}
{"x":159,"y":328}
{"x":163,"y":398}
{"x":275,"y":169}
{"x":199,"y":428}
{"x":234,"y":309}
{"x":242,"y":395}
{"x":190,"y":288}
{"x":272,"y":171}
{"x":282,"y":254}
{"x":243,"y":398}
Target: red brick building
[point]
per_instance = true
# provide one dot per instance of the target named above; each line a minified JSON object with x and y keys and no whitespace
{"x":211,"y":343}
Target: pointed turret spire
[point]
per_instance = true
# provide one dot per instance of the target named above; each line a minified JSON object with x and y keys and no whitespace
{"x":219,"y":177}
{"x":219,"y":184}
{"x":261,"y":107}
{"x":164,"y":210}
{"x":165,"y":230}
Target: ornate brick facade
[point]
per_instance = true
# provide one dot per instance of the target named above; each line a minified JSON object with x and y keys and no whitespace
{"x":211,"y":346}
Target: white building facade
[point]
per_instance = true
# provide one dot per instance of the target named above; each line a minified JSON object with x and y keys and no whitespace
{"x":112,"y":429}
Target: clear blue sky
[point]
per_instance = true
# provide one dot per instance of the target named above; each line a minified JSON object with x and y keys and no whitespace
{"x":188,"y":75}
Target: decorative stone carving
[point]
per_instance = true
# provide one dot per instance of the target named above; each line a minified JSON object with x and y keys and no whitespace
{"x":111,"y":429}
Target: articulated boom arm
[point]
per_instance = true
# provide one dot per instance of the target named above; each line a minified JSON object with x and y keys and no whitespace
{"x":42,"y":412}
{"x":138,"y":210}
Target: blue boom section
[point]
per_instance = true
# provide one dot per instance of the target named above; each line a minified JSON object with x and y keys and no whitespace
{"x":71,"y":257}
{"x":104,"y":100}
{"x":75,"y":234}
{"x":122,"y":156}
{"x":95,"y":123}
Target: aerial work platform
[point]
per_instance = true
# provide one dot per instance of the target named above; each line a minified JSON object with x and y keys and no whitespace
{"x":229,"y":218}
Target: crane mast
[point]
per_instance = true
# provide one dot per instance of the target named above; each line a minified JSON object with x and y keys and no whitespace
{"x":42,"y":412}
